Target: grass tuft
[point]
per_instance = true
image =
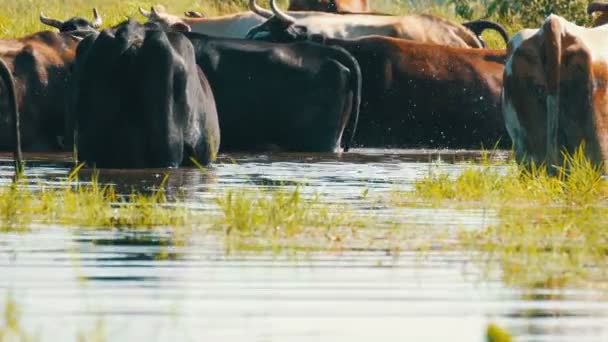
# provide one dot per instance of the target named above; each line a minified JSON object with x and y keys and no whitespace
{"x":551,"y":229}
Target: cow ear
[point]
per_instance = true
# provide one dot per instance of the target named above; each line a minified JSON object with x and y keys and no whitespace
{"x":180,"y":27}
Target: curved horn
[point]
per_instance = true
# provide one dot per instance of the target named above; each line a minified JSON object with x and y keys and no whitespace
{"x":98,"y":22}
{"x":145,"y":13}
{"x":50,"y":21}
{"x":255,"y":8}
{"x":597,"y":6}
{"x":280,"y":14}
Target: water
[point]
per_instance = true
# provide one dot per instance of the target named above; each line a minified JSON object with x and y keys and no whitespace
{"x":67,"y":281}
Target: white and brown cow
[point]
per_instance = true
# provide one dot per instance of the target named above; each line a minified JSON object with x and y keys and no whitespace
{"x":555,"y":94}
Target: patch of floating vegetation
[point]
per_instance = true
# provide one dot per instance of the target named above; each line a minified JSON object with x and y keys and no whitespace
{"x":285,"y":220}
{"x":552,"y":229}
{"x":262,"y":220}
{"x":494,"y":333}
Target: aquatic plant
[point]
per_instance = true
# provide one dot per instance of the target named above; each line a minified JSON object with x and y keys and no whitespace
{"x":10,"y":325}
{"x":551,"y":229}
{"x":282,"y":219}
{"x":86,"y":205}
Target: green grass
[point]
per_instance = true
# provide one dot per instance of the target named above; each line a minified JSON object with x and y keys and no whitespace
{"x":551,"y":230}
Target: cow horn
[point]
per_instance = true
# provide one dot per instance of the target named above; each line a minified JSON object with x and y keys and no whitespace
{"x":280,"y":14}
{"x":145,"y":13}
{"x":50,"y":21}
{"x":255,"y":8}
{"x":597,"y":6}
{"x":98,"y":22}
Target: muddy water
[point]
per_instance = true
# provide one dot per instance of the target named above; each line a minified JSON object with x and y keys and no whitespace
{"x":68,"y":281}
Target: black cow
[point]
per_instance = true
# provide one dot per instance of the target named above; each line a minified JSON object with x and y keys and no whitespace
{"x":40,"y":65}
{"x":418,"y":95}
{"x":291,"y":97}
{"x":139,"y":100}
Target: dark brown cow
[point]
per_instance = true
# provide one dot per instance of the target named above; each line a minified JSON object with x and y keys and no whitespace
{"x":555,"y":92}
{"x":40,"y":67}
{"x":333,"y":6}
{"x":602,"y":7}
{"x":422,"y":95}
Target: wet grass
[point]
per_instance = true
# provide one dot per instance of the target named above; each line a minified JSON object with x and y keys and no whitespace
{"x":283,"y":220}
{"x":549,"y":229}
{"x":86,"y":205}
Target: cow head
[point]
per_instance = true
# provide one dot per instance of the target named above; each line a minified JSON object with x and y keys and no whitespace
{"x":74,"y":24}
{"x":554,"y":96}
{"x":279,"y":28}
{"x":600,"y":7}
{"x":165,"y":20}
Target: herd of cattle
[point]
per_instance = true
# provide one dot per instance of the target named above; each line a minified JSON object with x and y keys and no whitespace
{"x":324,"y":76}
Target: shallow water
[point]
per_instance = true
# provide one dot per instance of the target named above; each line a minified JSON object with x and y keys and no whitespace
{"x":66,"y":280}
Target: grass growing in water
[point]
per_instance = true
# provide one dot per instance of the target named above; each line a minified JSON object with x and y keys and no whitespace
{"x":283,"y":219}
{"x":552,"y":230}
{"x":86,"y":205}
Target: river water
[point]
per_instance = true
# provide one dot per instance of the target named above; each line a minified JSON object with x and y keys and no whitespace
{"x":68,"y":281}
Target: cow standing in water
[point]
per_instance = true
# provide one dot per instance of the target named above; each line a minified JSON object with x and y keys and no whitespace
{"x":301,"y":97}
{"x":40,"y":65}
{"x":419,"y":95}
{"x":140,"y":100}
{"x":333,"y":6}
{"x":556,"y":92}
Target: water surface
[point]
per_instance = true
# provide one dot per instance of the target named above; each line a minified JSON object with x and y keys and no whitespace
{"x":142,"y":285}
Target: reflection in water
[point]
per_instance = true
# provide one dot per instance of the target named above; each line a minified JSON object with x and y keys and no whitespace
{"x":152,"y":285}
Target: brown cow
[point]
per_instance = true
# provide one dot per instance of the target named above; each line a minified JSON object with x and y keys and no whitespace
{"x":554,"y":99}
{"x":333,"y":6}
{"x":602,"y":7}
{"x":422,"y":95}
{"x":40,"y":67}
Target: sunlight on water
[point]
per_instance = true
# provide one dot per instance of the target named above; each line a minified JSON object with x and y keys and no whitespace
{"x":143,"y":285}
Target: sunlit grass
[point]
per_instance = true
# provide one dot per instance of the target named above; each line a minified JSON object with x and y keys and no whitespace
{"x":495,"y":333}
{"x":577,"y":182}
{"x":86,"y":205}
{"x":11,"y":328}
{"x":552,"y":228}
{"x":19,"y":18}
{"x":279,"y":220}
